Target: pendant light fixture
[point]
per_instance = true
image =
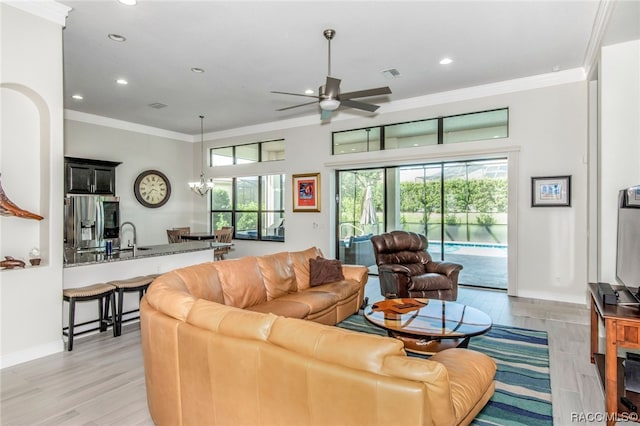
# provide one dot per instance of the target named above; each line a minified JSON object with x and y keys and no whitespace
{"x":201,"y":188}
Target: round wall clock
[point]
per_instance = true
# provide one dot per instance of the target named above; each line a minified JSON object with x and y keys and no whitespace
{"x":152,"y":188}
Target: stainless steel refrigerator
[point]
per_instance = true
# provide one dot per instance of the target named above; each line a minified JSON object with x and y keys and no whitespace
{"x":91,"y":220}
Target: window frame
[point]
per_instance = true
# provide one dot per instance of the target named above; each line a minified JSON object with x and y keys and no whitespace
{"x":440,"y":130}
{"x":260,"y":211}
{"x":234,"y":155}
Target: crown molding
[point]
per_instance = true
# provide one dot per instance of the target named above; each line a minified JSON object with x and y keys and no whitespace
{"x":46,"y":9}
{"x":125,"y":125}
{"x":509,"y":86}
{"x":493,"y":89}
{"x":605,"y":9}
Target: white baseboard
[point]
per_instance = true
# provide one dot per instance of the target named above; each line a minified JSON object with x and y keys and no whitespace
{"x":32,"y":353}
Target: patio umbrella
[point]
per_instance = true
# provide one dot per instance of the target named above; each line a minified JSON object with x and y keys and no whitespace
{"x":368,"y":216}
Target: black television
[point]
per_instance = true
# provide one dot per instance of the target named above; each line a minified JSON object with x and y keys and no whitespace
{"x":628,"y":246}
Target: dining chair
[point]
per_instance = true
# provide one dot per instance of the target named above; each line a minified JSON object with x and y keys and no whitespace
{"x":174,"y":235}
{"x":223,"y":235}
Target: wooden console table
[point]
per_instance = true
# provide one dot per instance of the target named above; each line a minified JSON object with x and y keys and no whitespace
{"x":622,"y":330}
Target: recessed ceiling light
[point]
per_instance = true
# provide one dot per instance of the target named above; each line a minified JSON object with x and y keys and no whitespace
{"x":117,"y":37}
{"x":122,"y":81}
{"x":308,"y":92}
{"x":197,"y":70}
{"x":446,"y":61}
{"x":77,"y":97}
{"x":128,"y":2}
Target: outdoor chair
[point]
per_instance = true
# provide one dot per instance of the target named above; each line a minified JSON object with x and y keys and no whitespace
{"x":407,"y":270}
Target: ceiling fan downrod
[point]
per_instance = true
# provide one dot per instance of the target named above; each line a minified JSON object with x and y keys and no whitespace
{"x":329,"y":34}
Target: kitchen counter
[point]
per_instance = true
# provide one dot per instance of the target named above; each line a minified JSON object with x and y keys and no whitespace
{"x":73,"y":259}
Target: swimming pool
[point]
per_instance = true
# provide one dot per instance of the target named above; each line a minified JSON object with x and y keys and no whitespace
{"x":472,"y":249}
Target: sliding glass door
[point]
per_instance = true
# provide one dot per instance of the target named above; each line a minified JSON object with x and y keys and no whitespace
{"x":461,"y":207}
{"x":361,"y":214}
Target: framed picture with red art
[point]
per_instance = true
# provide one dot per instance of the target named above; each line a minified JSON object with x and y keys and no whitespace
{"x":306,"y":192}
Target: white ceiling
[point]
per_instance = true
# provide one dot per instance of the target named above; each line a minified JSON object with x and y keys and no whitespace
{"x":248,"y":49}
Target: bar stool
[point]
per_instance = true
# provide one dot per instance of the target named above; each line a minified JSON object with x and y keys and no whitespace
{"x":137,"y":284}
{"x":100,"y":292}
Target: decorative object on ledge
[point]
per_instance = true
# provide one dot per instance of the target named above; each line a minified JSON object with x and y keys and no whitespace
{"x":34,"y":256}
{"x":551,"y":191}
{"x":204,"y":186}
{"x":8,"y":208}
{"x":10,"y":263}
{"x":306,"y":192}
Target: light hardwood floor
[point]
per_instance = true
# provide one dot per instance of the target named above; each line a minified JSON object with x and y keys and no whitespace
{"x":101,"y":382}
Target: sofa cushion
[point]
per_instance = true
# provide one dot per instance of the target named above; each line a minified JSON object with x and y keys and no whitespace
{"x":323,"y":271}
{"x":283,"y":308}
{"x":361,"y":351}
{"x":317,"y":301}
{"x":300,"y":262}
{"x":230,"y":321}
{"x":169,"y":295}
{"x":342,"y":289}
{"x":471,"y":382}
{"x":202,"y":281}
{"x":277,"y":274}
{"x":241,"y":282}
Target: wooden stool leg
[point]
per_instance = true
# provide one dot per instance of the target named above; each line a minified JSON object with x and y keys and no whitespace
{"x":116,"y":324}
{"x":72,"y":318}
{"x":107,"y":307}
{"x":103,"y":325}
{"x":120,"y":304}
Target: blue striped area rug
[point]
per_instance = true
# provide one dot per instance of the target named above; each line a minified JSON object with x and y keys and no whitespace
{"x":523,"y":384}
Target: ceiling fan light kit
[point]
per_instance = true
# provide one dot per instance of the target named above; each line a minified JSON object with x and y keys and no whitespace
{"x":329,"y":104}
{"x":329,"y":97}
{"x":203,"y":186}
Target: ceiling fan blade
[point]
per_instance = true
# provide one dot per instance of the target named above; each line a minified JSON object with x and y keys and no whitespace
{"x":325,"y":114}
{"x":296,"y":106}
{"x":297,"y":94}
{"x":332,"y":87}
{"x":366,"y":93}
{"x":359,"y":105}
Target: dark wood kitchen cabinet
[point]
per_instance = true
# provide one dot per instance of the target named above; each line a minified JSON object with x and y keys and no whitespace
{"x":85,"y":176}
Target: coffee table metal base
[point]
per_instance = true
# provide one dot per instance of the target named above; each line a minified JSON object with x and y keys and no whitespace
{"x":424,"y":346}
{"x":427,"y":326}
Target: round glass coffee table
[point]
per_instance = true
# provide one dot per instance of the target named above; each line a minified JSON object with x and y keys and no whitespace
{"x":428,"y":325}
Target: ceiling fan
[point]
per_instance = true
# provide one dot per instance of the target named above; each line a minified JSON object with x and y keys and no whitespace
{"x":329,"y":96}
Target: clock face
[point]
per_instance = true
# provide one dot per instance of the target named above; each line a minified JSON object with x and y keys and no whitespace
{"x":152,"y":188}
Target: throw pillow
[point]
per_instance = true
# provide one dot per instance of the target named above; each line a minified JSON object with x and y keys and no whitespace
{"x":322,"y":271}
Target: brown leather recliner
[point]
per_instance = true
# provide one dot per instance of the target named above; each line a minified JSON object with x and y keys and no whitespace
{"x":406,"y":269}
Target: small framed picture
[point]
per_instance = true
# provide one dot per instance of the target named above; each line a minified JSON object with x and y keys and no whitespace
{"x":306,"y":192}
{"x":551,"y":191}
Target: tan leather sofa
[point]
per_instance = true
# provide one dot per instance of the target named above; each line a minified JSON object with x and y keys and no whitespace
{"x":211,"y":364}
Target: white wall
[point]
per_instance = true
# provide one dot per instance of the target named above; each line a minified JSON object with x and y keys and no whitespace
{"x":139,"y":152}
{"x":619,"y":143}
{"x":547,"y":125}
{"x":31,"y":161}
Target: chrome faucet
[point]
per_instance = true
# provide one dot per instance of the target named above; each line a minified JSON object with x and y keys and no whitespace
{"x":133,"y":227}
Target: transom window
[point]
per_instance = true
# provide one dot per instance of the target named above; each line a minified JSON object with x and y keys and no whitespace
{"x":434,"y":131}
{"x":249,"y":153}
